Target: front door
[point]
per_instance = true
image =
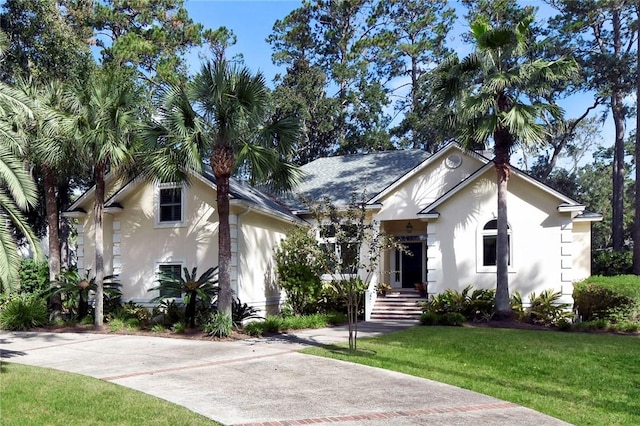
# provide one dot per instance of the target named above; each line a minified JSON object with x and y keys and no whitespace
{"x":412,"y":265}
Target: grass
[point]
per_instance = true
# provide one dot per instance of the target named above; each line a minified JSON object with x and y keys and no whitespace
{"x":40,"y":396}
{"x":584,"y":379}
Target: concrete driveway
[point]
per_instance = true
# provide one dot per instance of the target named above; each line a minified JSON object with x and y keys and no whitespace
{"x":265,"y":381}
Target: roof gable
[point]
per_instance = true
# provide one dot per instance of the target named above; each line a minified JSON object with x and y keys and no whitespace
{"x":563,"y":200}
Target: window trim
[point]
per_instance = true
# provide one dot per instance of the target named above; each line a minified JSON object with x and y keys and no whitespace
{"x":168,"y":262}
{"x":156,"y":205}
{"x":480,"y":234}
{"x":337,"y":250}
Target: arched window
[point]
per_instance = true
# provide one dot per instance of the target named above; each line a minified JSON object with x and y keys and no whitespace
{"x":490,"y":243}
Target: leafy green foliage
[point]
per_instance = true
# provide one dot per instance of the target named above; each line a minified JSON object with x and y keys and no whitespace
{"x":219,"y":325}
{"x":203,"y":288}
{"x":543,"y":309}
{"x":170,"y":311}
{"x":299,"y":265}
{"x":473,"y":305}
{"x":23,"y":311}
{"x":241,"y":312}
{"x":34,"y":276}
{"x":75,"y":289}
{"x":275,"y":324}
{"x":611,"y":298}
{"x":132,"y":311}
{"x":611,"y":263}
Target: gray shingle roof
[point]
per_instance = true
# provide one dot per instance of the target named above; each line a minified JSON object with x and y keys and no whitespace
{"x":340,"y":177}
{"x":251,"y":195}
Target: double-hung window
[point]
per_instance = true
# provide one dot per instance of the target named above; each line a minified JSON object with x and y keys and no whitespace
{"x":170,"y":203}
{"x":489,"y":244}
{"x":170,"y":270}
{"x":341,"y":248}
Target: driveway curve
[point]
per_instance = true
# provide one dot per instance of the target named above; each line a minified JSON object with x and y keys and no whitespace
{"x":266,"y":381}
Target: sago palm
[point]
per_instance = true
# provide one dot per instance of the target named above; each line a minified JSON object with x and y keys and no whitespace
{"x":223,"y":117}
{"x":497,"y":94}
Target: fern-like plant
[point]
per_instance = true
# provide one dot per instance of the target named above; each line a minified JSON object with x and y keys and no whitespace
{"x":204,"y":288}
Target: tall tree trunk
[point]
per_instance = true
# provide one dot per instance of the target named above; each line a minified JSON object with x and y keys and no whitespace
{"x":222,"y":164}
{"x":618,"y":173}
{"x":98,"y":216}
{"x":636,"y":222}
{"x":51,"y":206}
{"x":63,"y":197}
{"x":617,"y":109}
{"x":503,"y":307}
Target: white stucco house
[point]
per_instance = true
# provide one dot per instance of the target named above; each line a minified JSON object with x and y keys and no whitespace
{"x":442,"y":206}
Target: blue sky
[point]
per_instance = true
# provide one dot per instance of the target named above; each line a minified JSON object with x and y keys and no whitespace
{"x":251,"y":21}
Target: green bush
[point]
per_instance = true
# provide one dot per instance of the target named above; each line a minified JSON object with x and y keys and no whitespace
{"x":607,"y":297}
{"x":24,"y":311}
{"x":219,"y":325}
{"x":275,"y":324}
{"x":610,"y":263}
{"x":131,"y":310}
{"x":34,"y":276}
{"x":544,"y":309}
{"x":299,"y":267}
{"x":452,"y":318}
{"x":429,"y":318}
{"x":473,"y":305}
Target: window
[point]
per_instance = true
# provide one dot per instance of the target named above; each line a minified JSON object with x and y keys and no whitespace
{"x":342,"y":248}
{"x":490,"y":243}
{"x":170,"y":269}
{"x":169,"y":200}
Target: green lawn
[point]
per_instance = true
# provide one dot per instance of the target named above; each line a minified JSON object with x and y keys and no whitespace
{"x":584,"y":379}
{"x":40,"y":396}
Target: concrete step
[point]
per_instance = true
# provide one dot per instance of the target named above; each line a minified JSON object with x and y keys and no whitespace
{"x":398,"y":305}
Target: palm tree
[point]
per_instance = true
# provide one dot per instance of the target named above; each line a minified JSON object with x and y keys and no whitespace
{"x":106,"y":126}
{"x":51,"y":150}
{"x":498,"y":92}
{"x":17,"y":189}
{"x":222,"y":116}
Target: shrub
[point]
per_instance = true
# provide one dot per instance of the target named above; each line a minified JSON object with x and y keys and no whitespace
{"x":168,"y":312}
{"x":158,"y":328}
{"x":203,"y":288}
{"x":124,"y":324}
{"x":564,"y":324}
{"x":543,"y":309}
{"x":606,"y":297}
{"x":452,"y":318}
{"x":219,"y":325}
{"x":429,"y":318}
{"x":34,"y":276}
{"x":131,"y":310}
{"x":299,"y":267}
{"x":473,"y":305}
{"x":610,"y":263}
{"x":178,"y":327}
{"x":75,"y":289}
{"x":23,"y":311}
{"x":242,"y":312}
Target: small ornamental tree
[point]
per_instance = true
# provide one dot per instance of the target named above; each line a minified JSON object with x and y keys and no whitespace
{"x":353,"y":246}
{"x":299,"y":264}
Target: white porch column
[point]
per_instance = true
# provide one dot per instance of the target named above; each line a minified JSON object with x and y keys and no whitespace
{"x":434,"y":258}
{"x":566,"y":261}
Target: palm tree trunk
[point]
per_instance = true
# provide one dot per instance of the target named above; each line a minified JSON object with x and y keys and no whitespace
{"x":222,"y":164}
{"x":636,"y":225}
{"x":98,"y":216}
{"x":51,"y":206}
{"x":503,"y":307}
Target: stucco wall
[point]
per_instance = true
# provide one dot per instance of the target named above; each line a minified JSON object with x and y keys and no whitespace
{"x":257,"y":239}
{"x":535,"y":227}
{"x":425,"y":187}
